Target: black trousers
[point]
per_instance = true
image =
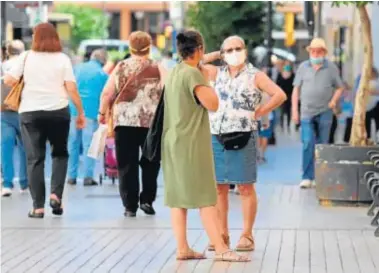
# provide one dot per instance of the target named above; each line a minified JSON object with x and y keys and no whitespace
{"x":286,"y":111}
{"x":37,"y":128}
{"x":372,"y":115}
{"x":333,"y":129}
{"x":128,"y":141}
{"x":349,"y":124}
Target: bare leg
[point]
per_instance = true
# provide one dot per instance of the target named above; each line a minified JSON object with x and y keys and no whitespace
{"x":249,"y":208}
{"x":223,"y":207}
{"x":179,"y":225}
{"x":211,"y":222}
{"x":249,"y":211}
{"x":263,"y":146}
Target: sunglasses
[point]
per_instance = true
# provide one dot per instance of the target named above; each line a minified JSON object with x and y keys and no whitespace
{"x":236,"y":49}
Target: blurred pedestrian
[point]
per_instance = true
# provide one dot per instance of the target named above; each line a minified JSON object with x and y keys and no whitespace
{"x":10,"y":129}
{"x":285,"y":80}
{"x":319,"y":86}
{"x":239,"y":87}
{"x":90,"y":79}
{"x":348,"y":110}
{"x":136,"y":85}
{"x":167,"y":61}
{"x":186,"y":149}
{"x":266,"y":127}
{"x":44,"y":113}
{"x":372,"y":106}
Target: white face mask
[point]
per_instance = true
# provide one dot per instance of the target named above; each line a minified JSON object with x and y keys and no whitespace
{"x":235,"y":58}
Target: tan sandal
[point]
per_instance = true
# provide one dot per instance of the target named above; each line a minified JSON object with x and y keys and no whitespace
{"x":231,"y":256}
{"x":226,"y":238}
{"x":190,"y":255}
{"x":250,"y":246}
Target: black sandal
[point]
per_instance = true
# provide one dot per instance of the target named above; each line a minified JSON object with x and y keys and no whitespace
{"x":34,"y":214}
{"x":56,"y":206}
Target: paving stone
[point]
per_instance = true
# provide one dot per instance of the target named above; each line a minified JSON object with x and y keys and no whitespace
{"x":293,"y":233}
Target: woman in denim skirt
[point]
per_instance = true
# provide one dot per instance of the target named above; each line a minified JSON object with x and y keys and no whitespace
{"x":239,"y":86}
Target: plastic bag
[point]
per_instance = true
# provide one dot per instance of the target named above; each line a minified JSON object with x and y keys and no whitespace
{"x":96,"y":149}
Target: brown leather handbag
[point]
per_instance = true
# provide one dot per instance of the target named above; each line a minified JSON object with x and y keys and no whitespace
{"x":13,"y":100}
{"x":127,"y":93}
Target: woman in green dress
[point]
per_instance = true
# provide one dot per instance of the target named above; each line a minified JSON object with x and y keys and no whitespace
{"x":187,"y":158}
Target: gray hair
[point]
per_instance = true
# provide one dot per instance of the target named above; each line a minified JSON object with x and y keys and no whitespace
{"x":234,"y":37}
{"x":99,"y":55}
{"x":15,"y":47}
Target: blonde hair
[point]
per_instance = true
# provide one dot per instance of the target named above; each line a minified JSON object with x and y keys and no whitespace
{"x":140,"y":43}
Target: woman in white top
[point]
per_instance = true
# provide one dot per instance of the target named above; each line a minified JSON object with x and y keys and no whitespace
{"x":44,"y":114}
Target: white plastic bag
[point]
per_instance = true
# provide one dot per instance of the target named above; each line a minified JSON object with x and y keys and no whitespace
{"x":96,"y":149}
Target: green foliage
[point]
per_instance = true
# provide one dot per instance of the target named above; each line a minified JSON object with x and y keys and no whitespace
{"x":115,"y":55}
{"x":346,"y":3}
{"x":218,"y":20}
{"x":89,"y":23}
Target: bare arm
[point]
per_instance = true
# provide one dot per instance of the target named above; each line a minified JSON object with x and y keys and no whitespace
{"x":209,"y":72}
{"x":336,"y":97}
{"x":295,"y":99}
{"x":73,"y":93}
{"x":210,"y":57}
{"x":108,"y":93}
{"x":277,"y":95}
{"x":163,"y":74}
{"x":207,"y":97}
{"x":9,"y":80}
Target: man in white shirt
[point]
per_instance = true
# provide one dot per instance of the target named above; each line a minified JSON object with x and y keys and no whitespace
{"x":11,"y":134}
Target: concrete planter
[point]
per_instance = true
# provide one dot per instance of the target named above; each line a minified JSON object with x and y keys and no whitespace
{"x":340,"y":170}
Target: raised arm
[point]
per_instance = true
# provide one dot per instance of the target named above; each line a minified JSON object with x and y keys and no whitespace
{"x":211,"y":57}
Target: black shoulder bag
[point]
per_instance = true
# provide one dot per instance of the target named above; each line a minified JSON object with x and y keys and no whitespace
{"x":233,"y":141}
{"x":152,"y":146}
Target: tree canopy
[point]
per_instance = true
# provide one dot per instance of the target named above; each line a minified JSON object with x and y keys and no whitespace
{"x":356,"y":3}
{"x":89,"y":23}
{"x":218,"y":20}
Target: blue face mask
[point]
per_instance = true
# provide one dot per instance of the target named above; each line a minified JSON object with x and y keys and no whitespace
{"x":316,"y":60}
{"x":287,"y":68}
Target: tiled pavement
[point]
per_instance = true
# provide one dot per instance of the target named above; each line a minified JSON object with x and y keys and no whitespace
{"x":293,"y":233}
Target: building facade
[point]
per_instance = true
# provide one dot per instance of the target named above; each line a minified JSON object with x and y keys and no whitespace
{"x":128,"y":16}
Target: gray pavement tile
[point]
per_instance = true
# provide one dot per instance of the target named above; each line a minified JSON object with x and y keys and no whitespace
{"x":293,"y":232}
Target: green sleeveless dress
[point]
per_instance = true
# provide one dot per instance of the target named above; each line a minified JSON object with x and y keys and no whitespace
{"x":187,"y":159}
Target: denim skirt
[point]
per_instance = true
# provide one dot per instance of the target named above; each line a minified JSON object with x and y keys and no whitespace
{"x":236,"y":166}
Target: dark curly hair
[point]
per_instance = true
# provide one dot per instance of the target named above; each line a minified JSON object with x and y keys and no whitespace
{"x":187,"y":42}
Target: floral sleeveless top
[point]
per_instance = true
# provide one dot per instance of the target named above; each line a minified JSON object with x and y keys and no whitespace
{"x":139,"y":111}
{"x":238,"y":99}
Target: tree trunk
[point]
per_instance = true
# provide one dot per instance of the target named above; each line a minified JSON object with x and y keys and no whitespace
{"x":358,"y":132}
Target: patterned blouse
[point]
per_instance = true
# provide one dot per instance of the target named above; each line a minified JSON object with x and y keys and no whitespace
{"x":238,"y":99}
{"x":140,"y":111}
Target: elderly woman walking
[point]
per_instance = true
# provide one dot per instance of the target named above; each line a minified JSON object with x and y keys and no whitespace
{"x":239,"y":86}
{"x":134,"y":88}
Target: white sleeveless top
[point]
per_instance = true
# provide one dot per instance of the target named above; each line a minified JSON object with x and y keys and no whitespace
{"x":238,"y":99}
